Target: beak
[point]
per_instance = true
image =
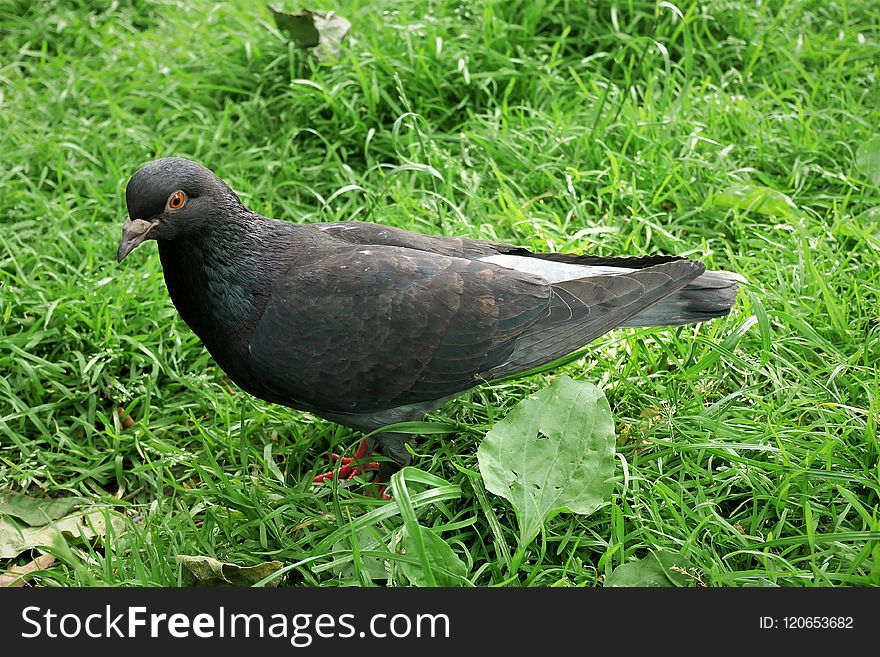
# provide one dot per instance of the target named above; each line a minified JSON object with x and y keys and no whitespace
{"x":133,"y":233}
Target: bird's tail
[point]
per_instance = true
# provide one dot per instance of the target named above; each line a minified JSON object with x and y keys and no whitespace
{"x":708,"y":296}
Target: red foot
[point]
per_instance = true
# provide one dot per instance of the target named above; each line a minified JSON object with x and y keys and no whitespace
{"x":346,"y":470}
{"x":380,"y":491}
{"x":350,"y":467}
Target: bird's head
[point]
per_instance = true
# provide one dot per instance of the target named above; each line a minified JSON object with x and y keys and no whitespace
{"x":170,"y":198}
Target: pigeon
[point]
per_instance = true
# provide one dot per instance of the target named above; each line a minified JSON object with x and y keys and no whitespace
{"x":368,"y":325}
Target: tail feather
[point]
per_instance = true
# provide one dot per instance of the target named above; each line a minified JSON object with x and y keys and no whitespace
{"x":709,"y":296}
{"x":583,"y":309}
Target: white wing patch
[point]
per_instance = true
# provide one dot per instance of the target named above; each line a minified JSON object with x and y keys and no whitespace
{"x":554,"y":272}
{"x":334,"y":226}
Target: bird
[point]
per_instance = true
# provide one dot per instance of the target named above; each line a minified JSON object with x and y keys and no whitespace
{"x":367,"y":325}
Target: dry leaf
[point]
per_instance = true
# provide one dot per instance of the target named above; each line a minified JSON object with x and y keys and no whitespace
{"x":205,"y":571}
{"x":82,"y":527}
{"x":16,"y":576}
{"x":36,"y":511}
{"x":323,"y":31}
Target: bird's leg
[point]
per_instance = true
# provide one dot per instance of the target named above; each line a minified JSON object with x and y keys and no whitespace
{"x":350,"y":465}
{"x":393,"y":445}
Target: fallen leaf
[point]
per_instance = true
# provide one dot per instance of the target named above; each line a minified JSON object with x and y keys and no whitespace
{"x":447,"y":568}
{"x":16,"y":576}
{"x":658,"y":569}
{"x":554,"y":452}
{"x":36,"y":511}
{"x":323,"y":31}
{"x":368,"y":540}
{"x":677,"y":568}
{"x":437,"y":564}
{"x":205,"y":571}
{"x":79,"y":527}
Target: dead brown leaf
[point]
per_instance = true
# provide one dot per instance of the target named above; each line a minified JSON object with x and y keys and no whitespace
{"x":206,"y":571}
{"x":16,"y":576}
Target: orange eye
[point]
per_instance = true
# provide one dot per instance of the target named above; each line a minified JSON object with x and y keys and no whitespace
{"x":176,"y":200}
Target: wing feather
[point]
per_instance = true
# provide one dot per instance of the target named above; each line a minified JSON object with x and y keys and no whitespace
{"x":364,"y":330}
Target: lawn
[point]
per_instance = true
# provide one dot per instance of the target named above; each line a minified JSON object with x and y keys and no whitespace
{"x":741,"y":134}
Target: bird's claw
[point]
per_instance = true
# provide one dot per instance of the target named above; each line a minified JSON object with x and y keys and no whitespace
{"x":349,"y":468}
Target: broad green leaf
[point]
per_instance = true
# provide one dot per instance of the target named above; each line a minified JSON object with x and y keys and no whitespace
{"x":553,"y":452}
{"x":658,"y":569}
{"x":418,"y":542}
{"x":81,"y":527}
{"x":679,"y":570}
{"x":754,"y":198}
{"x":205,"y":571}
{"x":868,"y":159}
{"x":368,"y":540}
{"x":35,"y":511}
{"x":644,"y":572}
{"x":447,"y":569}
{"x":323,"y":31}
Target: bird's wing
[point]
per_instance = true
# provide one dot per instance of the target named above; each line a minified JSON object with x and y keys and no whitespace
{"x":705,"y":297}
{"x":589,"y":307}
{"x":367,"y":234}
{"x":365,"y":329}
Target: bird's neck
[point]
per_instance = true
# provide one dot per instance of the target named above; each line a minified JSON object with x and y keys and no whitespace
{"x":217,"y":281}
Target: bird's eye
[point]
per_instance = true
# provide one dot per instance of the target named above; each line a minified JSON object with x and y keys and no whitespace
{"x":177,"y":200}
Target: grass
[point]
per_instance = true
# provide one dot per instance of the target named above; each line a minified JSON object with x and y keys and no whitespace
{"x":750,"y":443}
